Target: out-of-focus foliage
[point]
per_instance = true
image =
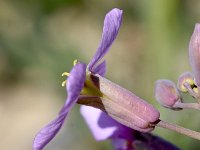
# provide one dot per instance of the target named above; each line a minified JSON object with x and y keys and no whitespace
{"x":39,"y":39}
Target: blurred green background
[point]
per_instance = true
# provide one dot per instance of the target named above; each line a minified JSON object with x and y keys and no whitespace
{"x":39,"y":39}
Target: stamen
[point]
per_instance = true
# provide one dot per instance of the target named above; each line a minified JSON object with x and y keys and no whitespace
{"x":65,"y":74}
{"x":64,"y":83}
{"x":75,"y":62}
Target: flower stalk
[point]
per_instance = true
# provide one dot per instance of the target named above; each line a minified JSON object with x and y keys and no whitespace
{"x":179,"y":129}
{"x":187,"y":105}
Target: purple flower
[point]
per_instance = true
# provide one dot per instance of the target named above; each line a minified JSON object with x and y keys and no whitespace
{"x":103,"y":127}
{"x":75,"y":84}
{"x":121,"y":104}
{"x":77,"y":78}
{"x":87,"y":86}
{"x":194,"y":53}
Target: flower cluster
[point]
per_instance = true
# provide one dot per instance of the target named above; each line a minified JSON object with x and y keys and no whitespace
{"x":168,"y":94}
{"x":112,"y":112}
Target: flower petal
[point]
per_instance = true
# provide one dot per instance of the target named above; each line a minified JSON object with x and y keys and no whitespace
{"x":75,"y":82}
{"x":74,"y":86}
{"x":100,"y":69}
{"x":103,"y":126}
{"x":91,"y":116}
{"x":112,"y":23}
{"x":48,"y":132}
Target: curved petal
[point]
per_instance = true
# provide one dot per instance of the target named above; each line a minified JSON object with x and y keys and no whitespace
{"x":100,"y":69}
{"x":74,"y":86}
{"x":103,"y":126}
{"x":91,"y":116}
{"x":112,"y":23}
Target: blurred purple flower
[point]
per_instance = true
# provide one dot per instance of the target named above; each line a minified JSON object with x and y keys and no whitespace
{"x":103,"y":127}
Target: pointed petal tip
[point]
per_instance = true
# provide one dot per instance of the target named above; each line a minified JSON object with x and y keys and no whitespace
{"x":47,"y":133}
{"x":117,"y":11}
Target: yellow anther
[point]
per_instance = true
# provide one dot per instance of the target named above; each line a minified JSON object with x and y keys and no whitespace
{"x":64,"y":83}
{"x":75,"y":62}
{"x":190,"y":81}
{"x":183,"y":89}
{"x":65,"y":74}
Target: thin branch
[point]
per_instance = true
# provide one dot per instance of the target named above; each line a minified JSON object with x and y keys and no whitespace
{"x":179,"y":129}
{"x":187,"y":105}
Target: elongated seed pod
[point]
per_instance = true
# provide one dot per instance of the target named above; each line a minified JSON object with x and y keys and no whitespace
{"x":194,"y":53}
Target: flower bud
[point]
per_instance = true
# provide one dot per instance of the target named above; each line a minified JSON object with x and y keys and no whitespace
{"x":166,"y":93}
{"x":194,"y":53}
{"x":185,"y":78}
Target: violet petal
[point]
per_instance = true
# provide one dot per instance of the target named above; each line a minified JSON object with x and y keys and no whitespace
{"x":112,"y":23}
{"x":100,"y":69}
{"x":91,"y":116}
{"x":75,"y":84}
{"x":103,"y":126}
